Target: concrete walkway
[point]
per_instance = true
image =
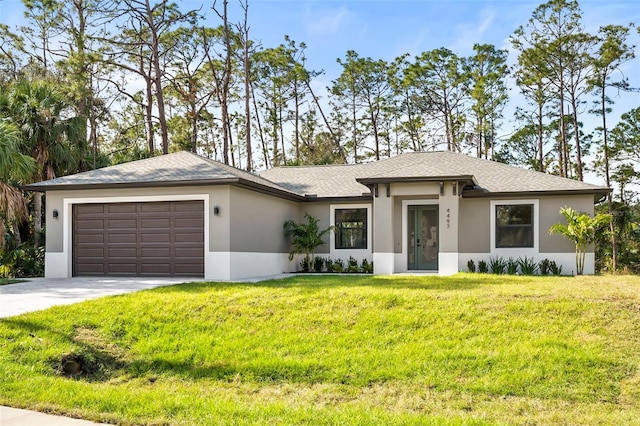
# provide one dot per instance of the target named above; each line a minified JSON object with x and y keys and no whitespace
{"x":42,"y":293}
{"x":18,"y":417}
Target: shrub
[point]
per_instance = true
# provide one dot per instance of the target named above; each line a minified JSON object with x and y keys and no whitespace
{"x":318,"y":263}
{"x":353,"y":265}
{"x":527,"y":265}
{"x":555,"y":268}
{"x":497,"y":265}
{"x":544,"y":266}
{"x":483,"y":267}
{"x":512,"y":266}
{"x":22,"y":261}
{"x":336,"y":266}
{"x":366,"y":267}
{"x":471,"y":265}
{"x":304,"y":265}
{"x":328,"y":264}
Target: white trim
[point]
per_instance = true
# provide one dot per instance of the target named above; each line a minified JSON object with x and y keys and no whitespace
{"x":245,"y":265}
{"x":65,"y":258}
{"x":55,"y":265}
{"x":515,"y":251}
{"x":344,"y":254}
{"x":383,"y":263}
{"x":404,"y":261}
{"x":447,"y":263}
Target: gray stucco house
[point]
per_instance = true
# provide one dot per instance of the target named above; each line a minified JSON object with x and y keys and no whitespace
{"x":184,"y":215}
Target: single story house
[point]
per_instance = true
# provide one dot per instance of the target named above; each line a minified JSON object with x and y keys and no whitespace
{"x":184,"y":215}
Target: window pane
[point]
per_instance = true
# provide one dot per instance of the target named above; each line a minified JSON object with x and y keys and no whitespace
{"x":351,"y":228}
{"x":514,"y":225}
{"x":518,"y":214}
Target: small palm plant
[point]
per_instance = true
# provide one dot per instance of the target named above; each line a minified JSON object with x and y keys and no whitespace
{"x":581,"y":229}
{"x":305,"y":238}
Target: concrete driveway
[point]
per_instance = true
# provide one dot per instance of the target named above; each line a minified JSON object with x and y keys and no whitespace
{"x":42,"y":293}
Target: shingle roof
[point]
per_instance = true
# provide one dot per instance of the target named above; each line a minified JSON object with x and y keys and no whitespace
{"x":172,"y":169}
{"x":332,"y":181}
{"x":337,"y":180}
{"x":489,"y":177}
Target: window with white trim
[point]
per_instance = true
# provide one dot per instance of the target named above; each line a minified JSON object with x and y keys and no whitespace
{"x":514,"y":225}
{"x":350,"y":228}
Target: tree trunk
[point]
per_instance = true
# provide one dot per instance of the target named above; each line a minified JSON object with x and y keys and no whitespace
{"x":265,"y":150}
{"x":540,"y":138}
{"x":247,"y":93}
{"x":225,"y":82}
{"x":37,"y":217}
{"x":576,"y":135}
{"x":157,"y":80}
{"x":296,"y":121}
{"x":607,"y":174}
{"x":326,"y":122}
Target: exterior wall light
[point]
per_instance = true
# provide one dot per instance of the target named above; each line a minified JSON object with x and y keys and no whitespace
{"x":216,"y":210}
{"x":55,"y":214}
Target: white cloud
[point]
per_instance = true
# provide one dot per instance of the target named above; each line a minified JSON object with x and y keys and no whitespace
{"x":326,"y":22}
{"x":471,"y":33}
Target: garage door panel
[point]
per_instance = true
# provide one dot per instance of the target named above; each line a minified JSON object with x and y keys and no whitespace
{"x":117,"y":238}
{"x":123,"y":252}
{"x":97,"y":252}
{"x":187,"y":222}
{"x":188,"y":206}
{"x":155,"y":223}
{"x":90,"y":238}
{"x":151,"y":239}
{"x":91,"y":268}
{"x":158,"y":252}
{"x":155,"y":207}
{"x":90,"y":224}
{"x":188,"y":252}
{"x":155,"y":238}
{"x":122,"y":224}
{"x":186,"y":237}
{"x":189,"y":269}
{"x":128,"y":208}
{"x":123,"y":268}
{"x":90,"y":208}
{"x":151,"y":268}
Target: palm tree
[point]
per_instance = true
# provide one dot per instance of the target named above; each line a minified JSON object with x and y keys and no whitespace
{"x":581,"y":229}
{"x":305,"y":238}
{"x":51,"y":134}
{"x":14,"y":167}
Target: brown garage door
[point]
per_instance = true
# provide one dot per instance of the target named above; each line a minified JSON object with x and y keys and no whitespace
{"x":154,"y":239}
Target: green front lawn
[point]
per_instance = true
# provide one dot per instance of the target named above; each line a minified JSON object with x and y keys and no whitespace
{"x":468,"y":349}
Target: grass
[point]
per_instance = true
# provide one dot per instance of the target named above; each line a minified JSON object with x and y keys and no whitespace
{"x":5,"y":281}
{"x":470,"y":349}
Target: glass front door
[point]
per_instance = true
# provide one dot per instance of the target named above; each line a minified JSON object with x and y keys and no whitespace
{"x":422,"y":227}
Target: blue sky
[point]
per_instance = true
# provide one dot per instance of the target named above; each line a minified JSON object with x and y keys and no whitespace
{"x":385,"y":29}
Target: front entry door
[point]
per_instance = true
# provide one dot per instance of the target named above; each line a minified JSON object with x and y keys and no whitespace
{"x":422,"y":226}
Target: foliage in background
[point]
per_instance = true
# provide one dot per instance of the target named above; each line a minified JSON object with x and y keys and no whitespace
{"x":22,"y":261}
